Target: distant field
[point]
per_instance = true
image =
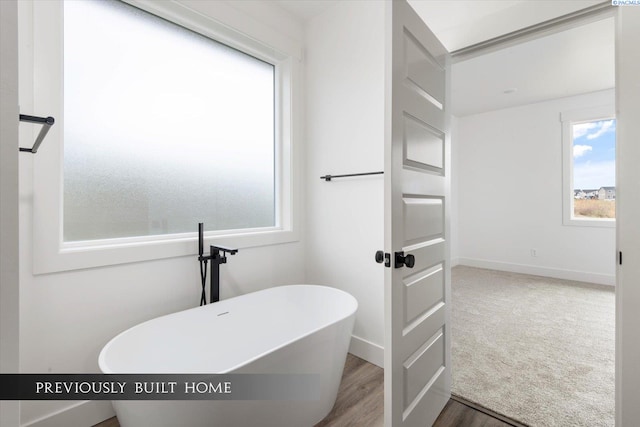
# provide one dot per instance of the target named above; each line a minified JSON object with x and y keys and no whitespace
{"x":594,"y":208}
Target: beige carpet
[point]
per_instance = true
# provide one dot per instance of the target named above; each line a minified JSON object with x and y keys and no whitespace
{"x":535,"y":349}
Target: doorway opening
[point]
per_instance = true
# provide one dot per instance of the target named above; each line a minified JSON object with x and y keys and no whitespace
{"x":533,"y":298}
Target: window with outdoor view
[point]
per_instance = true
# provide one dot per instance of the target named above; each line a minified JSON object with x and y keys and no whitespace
{"x":594,"y":169}
{"x":589,"y":166}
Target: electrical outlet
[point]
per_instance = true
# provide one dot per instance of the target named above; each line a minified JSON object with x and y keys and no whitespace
{"x":534,"y":252}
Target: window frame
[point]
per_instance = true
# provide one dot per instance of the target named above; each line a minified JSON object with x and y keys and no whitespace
{"x":51,"y":253}
{"x":569,"y":118}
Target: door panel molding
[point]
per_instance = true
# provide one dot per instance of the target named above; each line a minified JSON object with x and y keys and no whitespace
{"x":417,"y":343}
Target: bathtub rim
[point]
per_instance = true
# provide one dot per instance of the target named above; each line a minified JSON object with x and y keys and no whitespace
{"x":102,"y":356}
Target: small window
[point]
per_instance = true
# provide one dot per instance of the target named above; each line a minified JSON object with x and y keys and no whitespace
{"x":163,"y":128}
{"x":590,"y":168}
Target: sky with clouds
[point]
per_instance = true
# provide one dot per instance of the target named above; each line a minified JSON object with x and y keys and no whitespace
{"x":594,"y":154}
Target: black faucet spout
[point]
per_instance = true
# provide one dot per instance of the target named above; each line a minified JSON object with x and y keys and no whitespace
{"x":224,"y":250}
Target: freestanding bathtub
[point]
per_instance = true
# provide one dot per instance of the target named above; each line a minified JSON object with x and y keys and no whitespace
{"x":298,"y":329}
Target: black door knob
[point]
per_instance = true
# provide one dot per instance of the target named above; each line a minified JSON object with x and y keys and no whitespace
{"x":379,"y":257}
{"x":404,"y":260}
{"x":409,"y":261}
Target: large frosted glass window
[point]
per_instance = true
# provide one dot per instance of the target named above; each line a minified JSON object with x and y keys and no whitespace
{"x":163,"y":128}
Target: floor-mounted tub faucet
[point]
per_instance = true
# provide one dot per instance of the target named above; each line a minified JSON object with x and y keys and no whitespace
{"x":217,"y":255}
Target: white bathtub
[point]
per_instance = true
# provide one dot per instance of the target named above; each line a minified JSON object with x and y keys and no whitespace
{"x":299,"y":329}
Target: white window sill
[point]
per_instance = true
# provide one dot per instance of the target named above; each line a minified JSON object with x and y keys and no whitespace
{"x":588,"y":222}
{"x":81,"y":255}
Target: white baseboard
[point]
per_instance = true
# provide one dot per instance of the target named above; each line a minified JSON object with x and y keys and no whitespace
{"x":580,"y":276}
{"x":454,"y":262}
{"x":367,"y":350}
{"x":86,"y":413}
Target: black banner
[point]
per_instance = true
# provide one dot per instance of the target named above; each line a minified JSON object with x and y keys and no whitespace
{"x":159,"y":386}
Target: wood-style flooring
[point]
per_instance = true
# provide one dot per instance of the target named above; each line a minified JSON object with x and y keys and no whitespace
{"x":457,"y":414}
{"x":360,"y":403}
{"x":360,"y":400}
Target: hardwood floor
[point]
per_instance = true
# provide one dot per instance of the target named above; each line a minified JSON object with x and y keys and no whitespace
{"x":360,"y":403}
{"x":456,"y":414}
{"x":111,"y":422}
{"x":360,"y":400}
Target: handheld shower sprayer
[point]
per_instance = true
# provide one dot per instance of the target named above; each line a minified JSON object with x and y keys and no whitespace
{"x":203,"y":263}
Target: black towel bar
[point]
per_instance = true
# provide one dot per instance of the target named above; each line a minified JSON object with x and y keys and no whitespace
{"x":330,"y":177}
{"x":46,"y":123}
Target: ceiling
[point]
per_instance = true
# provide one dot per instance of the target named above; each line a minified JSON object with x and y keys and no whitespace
{"x":567,"y":63}
{"x":462,"y":23}
{"x":306,"y":9}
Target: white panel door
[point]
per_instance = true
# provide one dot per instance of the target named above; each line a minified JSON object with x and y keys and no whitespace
{"x":417,"y":284}
{"x":627,"y":215}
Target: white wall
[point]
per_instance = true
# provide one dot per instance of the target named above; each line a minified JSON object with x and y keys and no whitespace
{"x":509,"y":191}
{"x":66,"y":318}
{"x":628,"y":291}
{"x":9,"y":284}
{"x":345,"y":134}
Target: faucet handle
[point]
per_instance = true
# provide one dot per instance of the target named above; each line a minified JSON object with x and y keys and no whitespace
{"x":225,"y":250}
